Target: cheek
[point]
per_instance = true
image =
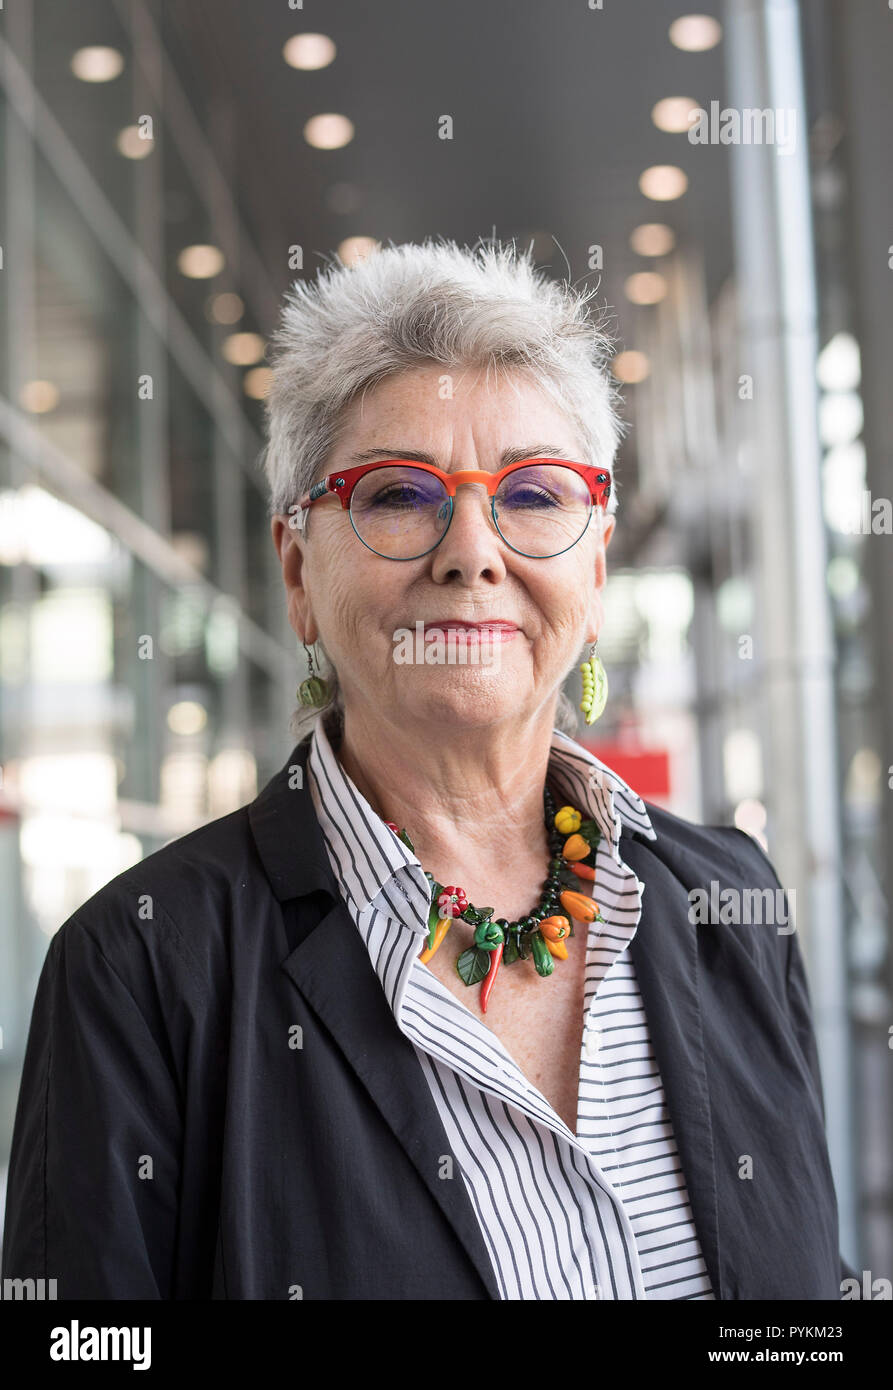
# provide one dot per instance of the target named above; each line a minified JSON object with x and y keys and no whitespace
{"x":353,"y":601}
{"x":566,"y":602}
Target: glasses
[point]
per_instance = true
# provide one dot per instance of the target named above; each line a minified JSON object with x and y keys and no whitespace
{"x":402,"y":510}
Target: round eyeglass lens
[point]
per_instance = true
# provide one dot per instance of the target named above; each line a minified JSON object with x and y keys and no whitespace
{"x":542,"y":509}
{"x":400,"y":511}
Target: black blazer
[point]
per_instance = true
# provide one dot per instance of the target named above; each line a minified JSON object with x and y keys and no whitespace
{"x":217,"y":1102}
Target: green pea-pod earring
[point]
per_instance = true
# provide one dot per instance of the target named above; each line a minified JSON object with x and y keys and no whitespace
{"x":314,"y":690}
{"x":595,"y":686}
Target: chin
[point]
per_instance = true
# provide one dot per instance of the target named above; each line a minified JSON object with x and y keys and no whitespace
{"x":462,"y":698}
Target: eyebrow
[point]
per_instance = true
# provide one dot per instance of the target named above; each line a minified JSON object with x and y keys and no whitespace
{"x":506,"y":457}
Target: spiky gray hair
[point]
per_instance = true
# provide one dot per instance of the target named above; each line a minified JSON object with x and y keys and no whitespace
{"x":417,"y":304}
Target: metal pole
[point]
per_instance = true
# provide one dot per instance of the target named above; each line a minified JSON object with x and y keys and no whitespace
{"x":775,"y":279}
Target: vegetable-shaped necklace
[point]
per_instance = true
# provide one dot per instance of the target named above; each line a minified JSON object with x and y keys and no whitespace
{"x":542,"y":936}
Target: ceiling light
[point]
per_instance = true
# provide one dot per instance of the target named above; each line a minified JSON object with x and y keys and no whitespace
{"x":356,"y":248}
{"x":838,"y":367}
{"x":674,"y":114}
{"x":631,"y":367}
{"x":243,"y":348}
{"x":662,"y":182}
{"x":257,"y":383}
{"x":225,"y":308}
{"x":97,"y":64}
{"x":695,"y":33}
{"x":645,"y":287}
{"x":39,"y":397}
{"x":133,"y":144}
{"x":200,"y":262}
{"x":652,"y":239}
{"x":187,"y":717}
{"x":328,"y":131}
{"x":309,"y":51}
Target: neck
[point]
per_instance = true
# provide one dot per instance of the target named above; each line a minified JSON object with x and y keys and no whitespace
{"x":474,"y":800}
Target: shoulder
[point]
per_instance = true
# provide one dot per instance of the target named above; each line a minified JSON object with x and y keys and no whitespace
{"x":171,"y":914}
{"x":725,"y":887}
{"x":692,"y":850}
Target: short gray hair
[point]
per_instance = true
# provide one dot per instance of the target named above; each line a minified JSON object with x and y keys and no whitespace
{"x":421,"y":304}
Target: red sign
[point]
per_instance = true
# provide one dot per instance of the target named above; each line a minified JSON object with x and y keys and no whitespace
{"x":645,"y":770}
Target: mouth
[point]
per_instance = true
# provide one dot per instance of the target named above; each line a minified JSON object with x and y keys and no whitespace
{"x":489,"y":630}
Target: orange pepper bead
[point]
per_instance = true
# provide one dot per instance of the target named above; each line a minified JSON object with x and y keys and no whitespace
{"x":555,"y":928}
{"x":579,"y":906}
{"x":557,"y":948}
{"x":575,"y":847}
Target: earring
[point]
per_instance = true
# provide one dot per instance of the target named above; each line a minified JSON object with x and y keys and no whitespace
{"x":314,"y":690}
{"x":595,"y":686}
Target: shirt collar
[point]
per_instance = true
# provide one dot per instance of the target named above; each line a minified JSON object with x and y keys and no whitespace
{"x":372,"y":863}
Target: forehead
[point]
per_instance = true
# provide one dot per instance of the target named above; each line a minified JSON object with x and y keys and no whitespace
{"x":431,"y":405}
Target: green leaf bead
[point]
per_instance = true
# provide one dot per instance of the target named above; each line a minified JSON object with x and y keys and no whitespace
{"x":473,"y":966}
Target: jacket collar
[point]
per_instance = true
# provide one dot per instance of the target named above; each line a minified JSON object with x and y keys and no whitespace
{"x":287,"y":834}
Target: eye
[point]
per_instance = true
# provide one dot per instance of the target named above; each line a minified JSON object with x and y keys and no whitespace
{"x":529,"y":494}
{"x":397,"y":495}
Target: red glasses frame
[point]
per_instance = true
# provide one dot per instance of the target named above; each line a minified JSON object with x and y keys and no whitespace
{"x":342,"y":483}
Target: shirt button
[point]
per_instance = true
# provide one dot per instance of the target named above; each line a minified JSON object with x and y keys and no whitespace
{"x":592,"y":1046}
{"x":593,"y":1291}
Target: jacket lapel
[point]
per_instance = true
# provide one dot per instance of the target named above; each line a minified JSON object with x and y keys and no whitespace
{"x":666,"y":961}
{"x":332,"y":970}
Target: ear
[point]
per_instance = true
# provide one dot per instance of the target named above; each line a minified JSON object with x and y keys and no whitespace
{"x":601,"y":569}
{"x":290,"y":547}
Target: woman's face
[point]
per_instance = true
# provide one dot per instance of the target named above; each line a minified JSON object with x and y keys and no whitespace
{"x":359,"y":603}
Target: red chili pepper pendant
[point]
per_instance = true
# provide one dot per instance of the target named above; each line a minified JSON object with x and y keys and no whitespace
{"x":487,"y":983}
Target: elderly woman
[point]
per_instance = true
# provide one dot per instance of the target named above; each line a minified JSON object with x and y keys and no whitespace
{"x":434,"y":1017}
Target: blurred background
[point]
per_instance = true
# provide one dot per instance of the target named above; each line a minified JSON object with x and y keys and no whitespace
{"x":169,"y":169}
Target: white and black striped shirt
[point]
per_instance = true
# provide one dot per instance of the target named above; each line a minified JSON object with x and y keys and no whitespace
{"x":601,"y":1214}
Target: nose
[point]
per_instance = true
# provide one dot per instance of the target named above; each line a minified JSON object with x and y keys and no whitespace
{"x":471,"y":542}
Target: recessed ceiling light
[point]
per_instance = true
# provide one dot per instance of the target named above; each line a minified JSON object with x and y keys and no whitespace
{"x":133,"y":144}
{"x":631,"y":367}
{"x":225,"y":308}
{"x":309,"y":51}
{"x":652,"y":239}
{"x":328,"y":131}
{"x":187,"y":717}
{"x":675,"y":114}
{"x":645,"y":287}
{"x":257,"y":382}
{"x":200,"y":262}
{"x":662,"y":182}
{"x":695,"y":33}
{"x":97,"y":64}
{"x":39,"y":397}
{"x":243,"y":348}
{"x":356,"y":248}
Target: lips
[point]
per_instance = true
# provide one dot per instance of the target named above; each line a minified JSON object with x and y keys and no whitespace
{"x":486,"y":633}
{"x":493,"y":624}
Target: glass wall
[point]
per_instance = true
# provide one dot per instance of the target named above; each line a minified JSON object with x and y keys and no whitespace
{"x":146,"y":667}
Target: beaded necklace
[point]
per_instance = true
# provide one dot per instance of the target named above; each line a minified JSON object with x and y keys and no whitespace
{"x":541,"y":936}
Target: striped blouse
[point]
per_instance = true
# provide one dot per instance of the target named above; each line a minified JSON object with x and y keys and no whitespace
{"x":600,"y":1214}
